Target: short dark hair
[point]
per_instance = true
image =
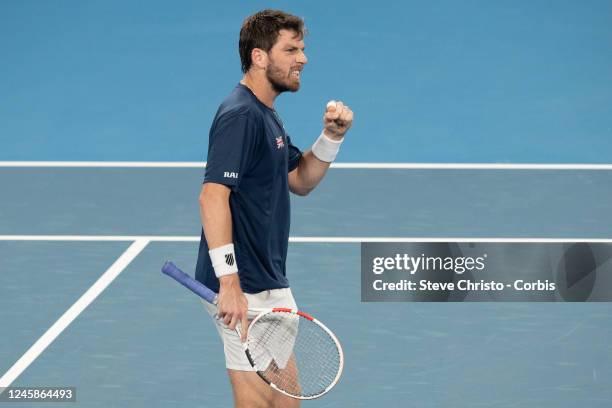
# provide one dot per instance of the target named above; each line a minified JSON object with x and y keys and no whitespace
{"x":261,"y":31}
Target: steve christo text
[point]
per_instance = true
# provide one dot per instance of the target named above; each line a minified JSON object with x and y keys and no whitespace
{"x":464,"y":285}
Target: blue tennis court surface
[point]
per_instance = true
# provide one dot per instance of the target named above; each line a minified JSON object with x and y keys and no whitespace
{"x":83,"y":302}
{"x":349,"y":202}
{"x":145,"y":341}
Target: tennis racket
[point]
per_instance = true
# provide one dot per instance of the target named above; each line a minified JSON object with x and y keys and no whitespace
{"x":290,"y":350}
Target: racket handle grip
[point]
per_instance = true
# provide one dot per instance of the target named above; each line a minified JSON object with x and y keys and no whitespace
{"x":193,"y":285}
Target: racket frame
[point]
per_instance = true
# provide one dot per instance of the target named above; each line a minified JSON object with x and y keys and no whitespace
{"x":211,"y":297}
{"x":263,"y":312}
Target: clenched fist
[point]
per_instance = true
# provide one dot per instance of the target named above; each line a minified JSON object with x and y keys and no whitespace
{"x":337,"y":119}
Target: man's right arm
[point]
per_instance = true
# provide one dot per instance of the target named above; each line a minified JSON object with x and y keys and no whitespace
{"x":217,"y":223}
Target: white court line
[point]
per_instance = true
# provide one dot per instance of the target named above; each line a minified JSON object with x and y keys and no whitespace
{"x":298,"y":239}
{"x":101,"y":164}
{"x":68,"y":317}
{"x":87,"y":238}
{"x":371,"y":166}
{"x":473,"y":166}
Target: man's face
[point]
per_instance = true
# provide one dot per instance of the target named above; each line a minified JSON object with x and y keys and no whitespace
{"x":286,"y":61}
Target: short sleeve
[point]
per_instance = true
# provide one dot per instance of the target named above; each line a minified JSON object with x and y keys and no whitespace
{"x":231,"y":149}
{"x":294,"y":155}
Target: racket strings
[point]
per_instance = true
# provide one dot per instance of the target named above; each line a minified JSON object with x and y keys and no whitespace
{"x":295,"y":354}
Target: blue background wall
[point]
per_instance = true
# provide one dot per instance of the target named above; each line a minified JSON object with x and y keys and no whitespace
{"x":431,"y":81}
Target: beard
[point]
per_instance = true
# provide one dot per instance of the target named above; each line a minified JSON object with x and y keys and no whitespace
{"x":280,"y":81}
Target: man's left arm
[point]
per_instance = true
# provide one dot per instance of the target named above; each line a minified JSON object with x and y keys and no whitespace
{"x":314,"y":163}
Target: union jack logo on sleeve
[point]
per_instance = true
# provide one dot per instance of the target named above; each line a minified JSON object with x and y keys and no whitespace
{"x":280,"y":143}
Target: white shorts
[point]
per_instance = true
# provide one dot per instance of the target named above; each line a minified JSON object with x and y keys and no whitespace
{"x":235,"y":358}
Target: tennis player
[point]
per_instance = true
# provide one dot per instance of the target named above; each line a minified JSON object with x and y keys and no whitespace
{"x":244,"y":202}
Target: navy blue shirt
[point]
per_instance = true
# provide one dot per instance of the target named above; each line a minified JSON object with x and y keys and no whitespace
{"x":249,"y":151}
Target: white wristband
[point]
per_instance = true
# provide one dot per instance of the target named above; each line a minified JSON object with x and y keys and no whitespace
{"x":326,"y":149}
{"x":223,"y":259}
